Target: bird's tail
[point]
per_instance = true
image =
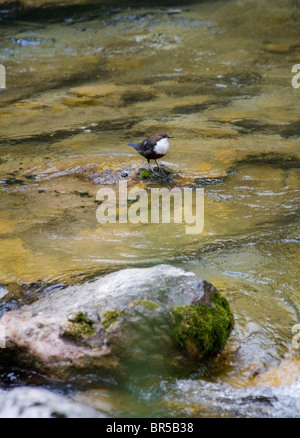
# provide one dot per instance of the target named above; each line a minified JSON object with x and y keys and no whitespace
{"x":133,"y":144}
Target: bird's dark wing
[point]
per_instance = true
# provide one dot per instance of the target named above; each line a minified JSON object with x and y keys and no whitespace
{"x":148,"y":144}
{"x":145,"y":148}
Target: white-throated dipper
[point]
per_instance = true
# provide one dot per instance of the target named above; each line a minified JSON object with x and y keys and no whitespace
{"x":153,"y":147}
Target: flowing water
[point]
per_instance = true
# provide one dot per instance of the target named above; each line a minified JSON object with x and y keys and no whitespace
{"x":82,"y":80}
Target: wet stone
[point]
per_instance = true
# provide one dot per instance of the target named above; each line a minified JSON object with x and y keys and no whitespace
{"x":13,"y":181}
{"x":102,"y":325}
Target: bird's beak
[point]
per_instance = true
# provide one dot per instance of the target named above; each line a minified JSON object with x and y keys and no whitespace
{"x":170,"y":136}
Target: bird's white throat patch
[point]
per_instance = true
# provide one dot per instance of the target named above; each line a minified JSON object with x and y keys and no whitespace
{"x":162,"y":146}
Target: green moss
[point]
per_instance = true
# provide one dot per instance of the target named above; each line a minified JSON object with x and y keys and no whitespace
{"x":147,"y":304}
{"x":110,"y":317}
{"x":203,"y":330}
{"x":80,"y":328}
{"x":146,"y":174}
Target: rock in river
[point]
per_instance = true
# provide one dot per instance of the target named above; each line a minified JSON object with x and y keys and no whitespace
{"x":27,"y":402}
{"x":134,"y":320}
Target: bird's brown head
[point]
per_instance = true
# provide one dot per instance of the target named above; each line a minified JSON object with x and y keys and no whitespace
{"x":161,"y":135}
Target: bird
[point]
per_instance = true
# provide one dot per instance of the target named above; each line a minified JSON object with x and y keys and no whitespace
{"x":153,"y":148}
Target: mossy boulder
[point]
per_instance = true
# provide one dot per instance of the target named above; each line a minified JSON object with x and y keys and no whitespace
{"x":203,"y":330}
{"x":141,"y":321}
{"x":79,"y":327}
{"x":110,"y":317}
{"x":161,"y":174}
{"x":145,"y":304}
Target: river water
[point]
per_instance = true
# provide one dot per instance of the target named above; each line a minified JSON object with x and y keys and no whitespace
{"x":83,"y":79}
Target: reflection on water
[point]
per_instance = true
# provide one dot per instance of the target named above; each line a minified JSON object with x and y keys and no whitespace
{"x":83,"y":81}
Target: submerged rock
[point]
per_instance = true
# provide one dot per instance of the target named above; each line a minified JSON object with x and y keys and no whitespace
{"x":195,"y":398}
{"x":151,"y":319}
{"x":161,"y":174}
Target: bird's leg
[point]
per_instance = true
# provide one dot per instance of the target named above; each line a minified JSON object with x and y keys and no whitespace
{"x":160,"y":170}
{"x":151,"y":168}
